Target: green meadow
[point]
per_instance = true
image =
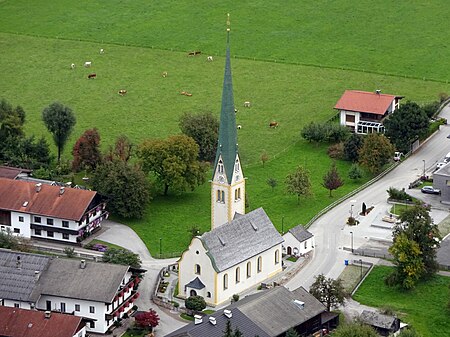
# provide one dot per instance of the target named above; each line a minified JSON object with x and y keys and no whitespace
{"x":40,"y":39}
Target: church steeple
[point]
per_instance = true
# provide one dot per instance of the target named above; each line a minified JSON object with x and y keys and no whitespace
{"x":228,"y":184}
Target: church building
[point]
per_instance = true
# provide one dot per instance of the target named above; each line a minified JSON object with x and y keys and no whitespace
{"x":241,"y":250}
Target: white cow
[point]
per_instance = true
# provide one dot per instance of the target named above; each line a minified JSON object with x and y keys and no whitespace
{"x":247,"y":104}
{"x":72,"y":66}
{"x":209,"y":58}
{"x":87,"y":64}
{"x":102,"y":51}
{"x":239,"y":126}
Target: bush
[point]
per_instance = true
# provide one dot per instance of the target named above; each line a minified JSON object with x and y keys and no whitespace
{"x":396,"y":194}
{"x":235,"y":298}
{"x":196,"y":303}
{"x":69,"y":251}
{"x":336,"y":151}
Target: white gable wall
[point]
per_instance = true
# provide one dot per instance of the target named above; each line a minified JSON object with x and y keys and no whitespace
{"x":297,"y":248}
{"x":343,"y":118}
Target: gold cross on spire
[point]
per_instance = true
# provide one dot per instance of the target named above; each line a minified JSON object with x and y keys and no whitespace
{"x":228,"y":23}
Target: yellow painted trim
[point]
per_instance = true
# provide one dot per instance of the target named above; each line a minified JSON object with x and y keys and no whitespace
{"x":215,"y":288}
{"x":229,"y":205}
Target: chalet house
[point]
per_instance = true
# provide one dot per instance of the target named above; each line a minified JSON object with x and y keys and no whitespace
{"x":13,"y":172}
{"x":16,"y":322}
{"x":49,"y":212}
{"x":101,"y":293}
{"x":298,"y":241}
{"x":363,"y":112}
{"x":230,"y":258}
{"x":385,"y":325}
{"x":269,"y":313}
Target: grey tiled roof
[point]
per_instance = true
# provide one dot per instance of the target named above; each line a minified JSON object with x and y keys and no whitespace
{"x":246,"y":236}
{"x":378,"y":320}
{"x":195,"y":284}
{"x":276,"y":312}
{"x":97,"y":282}
{"x":300,"y":233}
{"x":206,"y":329}
{"x":18,"y":284}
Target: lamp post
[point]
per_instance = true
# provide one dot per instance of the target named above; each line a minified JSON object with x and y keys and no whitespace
{"x":160,"y":247}
{"x":423,"y":168}
{"x":351,"y":233}
{"x":360,"y":262}
{"x":352,"y":203}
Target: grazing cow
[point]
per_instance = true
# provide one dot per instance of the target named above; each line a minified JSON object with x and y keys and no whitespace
{"x":273,"y":125}
{"x":236,"y":110}
{"x":102,"y":51}
{"x":164,"y":74}
{"x":247,"y":104}
{"x":185,"y":93}
{"x":72,"y":66}
{"x":194,"y":53}
{"x":87,"y":64}
{"x":93,"y":75}
{"x":209,"y":58}
{"x":122,"y":92}
{"x":239,"y":126}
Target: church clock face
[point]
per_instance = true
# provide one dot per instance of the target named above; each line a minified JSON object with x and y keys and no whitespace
{"x":221,"y":179}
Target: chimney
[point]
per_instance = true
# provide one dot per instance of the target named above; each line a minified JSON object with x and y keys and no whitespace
{"x":18,"y":263}
{"x":38,"y":187}
{"x":378,"y":91}
{"x":69,"y":184}
{"x":228,"y":313}
{"x":212,"y":320}
{"x":82,"y":264}
{"x":36,"y":275}
{"x":197,"y":319}
{"x":47,"y":314}
{"x":61,"y":190}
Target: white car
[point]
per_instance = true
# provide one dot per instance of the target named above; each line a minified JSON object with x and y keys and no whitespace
{"x":439,"y":165}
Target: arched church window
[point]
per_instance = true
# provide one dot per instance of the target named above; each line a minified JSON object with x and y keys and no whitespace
{"x":218,"y":196}
{"x":223,"y":197}
{"x":277,"y":256}
{"x":236,"y":166}
{"x":208,"y":294}
{"x":225,"y":282}
{"x":220,"y":167}
{"x":198,"y":269}
{"x":259,"y":264}
{"x":249,"y":269}
{"x":238,"y":275}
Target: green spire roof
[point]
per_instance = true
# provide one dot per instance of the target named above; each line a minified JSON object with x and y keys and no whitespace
{"x":227,"y":146}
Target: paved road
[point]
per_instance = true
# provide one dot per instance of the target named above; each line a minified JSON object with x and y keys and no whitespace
{"x":331,"y":232}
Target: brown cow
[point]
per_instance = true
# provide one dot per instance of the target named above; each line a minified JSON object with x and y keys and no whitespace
{"x":273,"y":124}
{"x":185,"y":93}
{"x":194,"y":53}
{"x":93,"y":75}
{"x":122,"y":92}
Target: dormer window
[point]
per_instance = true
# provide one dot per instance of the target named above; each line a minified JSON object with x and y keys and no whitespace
{"x":220,"y":167}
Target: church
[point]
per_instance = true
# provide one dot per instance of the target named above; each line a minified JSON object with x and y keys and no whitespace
{"x":241,"y":250}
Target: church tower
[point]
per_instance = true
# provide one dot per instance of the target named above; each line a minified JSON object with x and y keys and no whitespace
{"x":228,"y":184}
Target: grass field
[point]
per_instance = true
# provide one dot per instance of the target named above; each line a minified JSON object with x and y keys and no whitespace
{"x":35,"y":72}
{"x":425,"y":307}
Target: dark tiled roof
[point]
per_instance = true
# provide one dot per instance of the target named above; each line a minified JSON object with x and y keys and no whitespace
{"x":18,"y":283}
{"x":96,"y":282}
{"x":71,"y":205}
{"x":196,"y":284}
{"x":11,"y":172}
{"x":300,"y":233}
{"x":17,"y":322}
{"x":378,"y":320}
{"x":240,"y":239}
{"x":206,"y":329}
{"x":363,"y":101}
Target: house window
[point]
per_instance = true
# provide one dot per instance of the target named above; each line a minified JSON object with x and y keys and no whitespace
{"x":259,"y":264}
{"x":37,"y":232}
{"x":197,"y":269}
{"x":17,"y":230}
{"x":238,"y":275}
{"x":306,"y":244}
{"x":65,"y":236}
{"x":50,"y":222}
{"x":277,"y":256}
{"x":20,"y":218}
{"x":249,"y":269}
{"x":77,"y":307}
{"x":37,"y":219}
{"x":65,"y":224}
{"x":16,"y":305}
{"x":91,"y":309}
{"x":50,"y":234}
{"x":92,"y":325}
{"x":225,"y":282}
{"x":63,"y":307}
{"x":350,"y":118}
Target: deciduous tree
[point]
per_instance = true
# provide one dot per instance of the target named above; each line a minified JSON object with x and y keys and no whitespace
{"x":86,"y":151}
{"x":332,"y":180}
{"x":147,"y":319}
{"x":126,"y":187}
{"x":204,"y":129}
{"x":264,"y":157}
{"x":196,"y":303}
{"x":174,"y":161}
{"x":328,"y":291}
{"x":121,"y":256}
{"x":11,"y":120}
{"x":352,"y":146}
{"x":299,"y":183}
{"x":376,"y":152}
{"x":122,"y":150}
{"x":59,"y":120}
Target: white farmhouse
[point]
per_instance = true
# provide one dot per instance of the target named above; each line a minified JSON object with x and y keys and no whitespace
{"x":298,"y":241}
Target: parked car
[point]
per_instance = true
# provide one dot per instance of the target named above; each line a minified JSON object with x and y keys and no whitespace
{"x":398,"y":156}
{"x":439,"y":165}
{"x":430,"y":190}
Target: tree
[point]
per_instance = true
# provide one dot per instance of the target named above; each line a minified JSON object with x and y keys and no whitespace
{"x":329,"y":292}
{"x":126,"y":187}
{"x":332,"y":180}
{"x":121,"y":256}
{"x":408,"y":261}
{"x":148,"y":319}
{"x":405,"y":125}
{"x":292,"y":333}
{"x":11,"y":121}
{"x":264,"y":157}
{"x":122,"y":150}
{"x":352,"y":146}
{"x":86,"y":151}
{"x":416,"y":223}
{"x":196,"y":303}
{"x":431,"y":108}
{"x":313,"y":132}
{"x":272,"y":182}
{"x":174,"y":162}
{"x":354,"y":330}
{"x":194,"y":231}
{"x":204,"y":129}
{"x":228,"y":330}
{"x":59,"y":120}
{"x":355,"y":172}
{"x":299,"y":183}
{"x":376,"y":152}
